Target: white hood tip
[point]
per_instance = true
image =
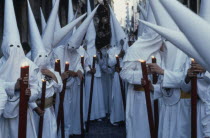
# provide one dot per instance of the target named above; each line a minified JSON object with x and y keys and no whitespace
{"x":78,"y":36}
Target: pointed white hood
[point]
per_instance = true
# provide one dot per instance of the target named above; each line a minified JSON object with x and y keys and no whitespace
{"x":178,"y":39}
{"x":57,"y":24}
{"x":12,"y":50}
{"x":121,"y":38}
{"x":70,"y":12}
{"x":90,"y":35}
{"x":205,"y":10}
{"x":60,"y":34}
{"x":38,"y":53}
{"x":48,"y":34}
{"x":195,"y":28}
{"x":43,"y":21}
{"x":76,"y":39}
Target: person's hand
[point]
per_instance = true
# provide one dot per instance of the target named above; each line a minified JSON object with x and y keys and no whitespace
{"x":80,"y":74}
{"x":154,"y":68}
{"x":197,"y":68}
{"x":144,"y":83}
{"x":39,"y":111}
{"x":28,"y":92}
{"x":92,"y":70}
{"x":17,"y":85}
{"x":118,"y":69}
{"x":65,"y":75}
{"x":72,"y":73}
{"x":47,"y":73}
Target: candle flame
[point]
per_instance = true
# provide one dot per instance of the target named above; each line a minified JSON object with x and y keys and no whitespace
{"x":43,"y":80}
{"x":142,"y":60}
{"x":82,"y":56}
{"x":192,"y":59}
{"x":24,"y":64}
{"x":56,"y":60}
{"x":94,"y":56}
{"x":116,"y":56}
{"x":153,"y":56}
{"x":67,"y":62}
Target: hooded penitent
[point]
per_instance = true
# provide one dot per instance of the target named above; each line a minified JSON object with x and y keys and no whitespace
{"x":76,"y":39}
{"x":38,"y":52}
{"x":121,"y":37}
{"x":13,"y":55}
{"x":90,"y":35}
{"x":194,"y":27}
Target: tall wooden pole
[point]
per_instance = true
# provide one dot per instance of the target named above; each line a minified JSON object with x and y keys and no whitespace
{"x":148,"y":99}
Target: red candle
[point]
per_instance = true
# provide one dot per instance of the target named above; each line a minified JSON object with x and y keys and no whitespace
{"x":94,"y":61}
{"x":118,"y":61}
{"x":66,"y":66}
{"x":144,"y":69}
{"x":154,"y":75}
{"x":154,"y":60}
{"x":23,"y":105}
{"x":58,"y":65}
{"x":82,"y":61}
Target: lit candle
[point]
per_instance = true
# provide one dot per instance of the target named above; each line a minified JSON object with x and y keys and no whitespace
{"x":66,"y":66}
{"x":82,"y":61}
{"x":118,"y":61}
{"x":192,"y":60}
{"x":154,"y":75}
{"x":57,"y":66}
{"x":144,"y":69}
{"x":94,"y":61}
{"x":154,"y":60}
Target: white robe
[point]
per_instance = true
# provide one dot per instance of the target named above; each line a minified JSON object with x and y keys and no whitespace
{"x":117,"y":110}
{"x":137,"y":125}
{"x":203,"y":104}
{"x":72,"y":95}
{"x":3,"y":99}
{"x":11,"y":111}
{"x":174,"y":113}
{"x":49,"y":123}
{"x":106,"y":78}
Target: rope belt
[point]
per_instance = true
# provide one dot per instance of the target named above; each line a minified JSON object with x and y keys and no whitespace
{"x":48,"y":102}
{"x":138,"y":88}
{"x":185,"y":95}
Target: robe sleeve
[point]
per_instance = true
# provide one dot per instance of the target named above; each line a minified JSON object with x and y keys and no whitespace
{"x":172,"y":79}
{"x":131,"y":73}
{"x":58,"y":86}
{"x":33,"y":105}
{"x":10,"y":88}
{"x":207,"y":76}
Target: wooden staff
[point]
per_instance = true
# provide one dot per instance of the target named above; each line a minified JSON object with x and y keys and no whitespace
{"x":147,"y":97}
{"x":91,"y":95}
{"x":58,"y":69}
{"x":81,"y":101}
{"x":23,"y":105}
{"x":60,"y":117}
{"x":42,"y":105}
{"x":194,"y":105}
{"x":156,"y":108}
{"x":121,"y":83}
